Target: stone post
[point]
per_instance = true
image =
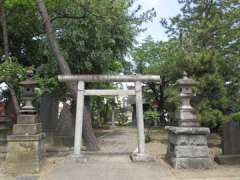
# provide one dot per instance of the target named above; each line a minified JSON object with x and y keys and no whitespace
{"x":140,"y":121}
{"x":187,"y":143}
{"x":25,"y":145}
{"x":79,"y":119}
{"x":140,"y":154}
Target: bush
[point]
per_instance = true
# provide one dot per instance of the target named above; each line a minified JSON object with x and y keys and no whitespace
{"x":151,"y":116}
{"x":235,"y":116}
{"x":213,"y":119}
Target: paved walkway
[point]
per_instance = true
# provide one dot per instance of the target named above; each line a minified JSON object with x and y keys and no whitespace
{"x":113,"y":163}
{"x":120,"y":141}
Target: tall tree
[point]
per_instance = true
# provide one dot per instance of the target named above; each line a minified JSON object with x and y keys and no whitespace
{"x":209,"y":35}
{"x":4,"y":28}
{"x":93,"y":36}
{"x":162,"y":58}
{"x":13,"y":102}
{"x":88,"y":133}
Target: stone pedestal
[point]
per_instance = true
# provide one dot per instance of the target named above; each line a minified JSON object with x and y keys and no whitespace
{"x":187,"y":147}
{"x":25,"y":146}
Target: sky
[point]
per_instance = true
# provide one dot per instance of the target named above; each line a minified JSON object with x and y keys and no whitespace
{"x":164,"y":9}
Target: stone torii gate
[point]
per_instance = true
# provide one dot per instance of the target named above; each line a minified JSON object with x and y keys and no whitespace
{"x":138,"y":79}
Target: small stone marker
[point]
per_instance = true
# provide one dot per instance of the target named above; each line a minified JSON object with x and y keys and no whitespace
{"x":187,"y":143}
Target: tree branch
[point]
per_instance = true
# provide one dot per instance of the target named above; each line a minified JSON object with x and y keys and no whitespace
{"x":67,"y":16}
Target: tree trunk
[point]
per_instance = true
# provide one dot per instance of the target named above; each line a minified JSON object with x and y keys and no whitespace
{"x":88,"y":134}
{"x":4,"y":28}
{"x":13,"y":105}
{"x":90,"y":139}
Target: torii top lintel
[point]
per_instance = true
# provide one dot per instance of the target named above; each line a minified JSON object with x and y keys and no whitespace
{"x":110,"y":78}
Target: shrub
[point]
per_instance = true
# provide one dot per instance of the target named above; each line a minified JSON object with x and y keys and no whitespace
{"x":151,"y":116}
{"x":235,"y":116}
{"x":213,"y":119}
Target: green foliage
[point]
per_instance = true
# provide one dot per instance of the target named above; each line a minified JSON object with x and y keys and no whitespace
{"x":45,"y":75}
{"x":213,"y":119}
{"x":101,"y":111}
{"x":235,"y":116}
{"x":121,"y":116}
{"x":151,"y":116}
{"x":204,"y":42}
{"x":12,"y":72}
{"x":94,"y":36}
{"x":164,"y":59}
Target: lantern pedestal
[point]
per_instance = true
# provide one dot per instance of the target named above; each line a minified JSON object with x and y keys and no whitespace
{"x":188,"y":148}
{"x":25,"y":146}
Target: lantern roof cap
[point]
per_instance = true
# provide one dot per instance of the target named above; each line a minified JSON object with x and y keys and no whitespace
{"x":186,"y":81}
{"x":29,"y":81}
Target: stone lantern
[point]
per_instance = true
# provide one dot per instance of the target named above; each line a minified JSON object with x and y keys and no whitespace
{"x":29,"y":86}
{"x":25,"y":145}
{"x":186,"y":115}
{"x":187,"y":142}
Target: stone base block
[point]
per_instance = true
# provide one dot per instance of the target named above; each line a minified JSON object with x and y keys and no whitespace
{"x":25,"y":154}
{"x":188,"y":151}
{"x":187,"y":147}
{"x":190,"y":163}
{"x":136,"y":157}
{"x":228,"y":159}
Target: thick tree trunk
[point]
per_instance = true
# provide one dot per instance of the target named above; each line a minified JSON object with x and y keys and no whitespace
{"x":13,"y":105}
{"x":89,"y":137}
{"x":88,"y":134}
{"x":14,"y":99}
{"x":4,"y":28}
